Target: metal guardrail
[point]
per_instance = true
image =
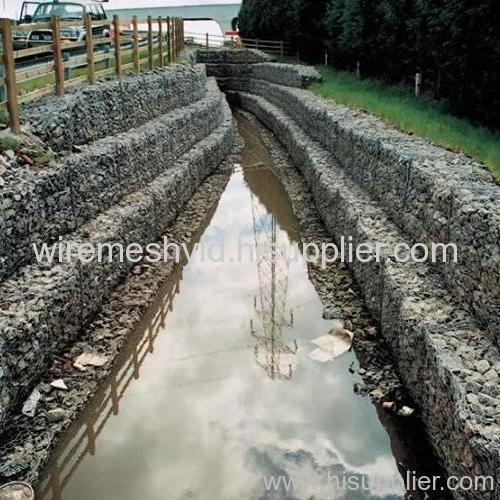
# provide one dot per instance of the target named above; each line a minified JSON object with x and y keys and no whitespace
{"x":163,"y":41}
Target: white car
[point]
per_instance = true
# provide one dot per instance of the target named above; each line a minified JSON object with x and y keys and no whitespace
{"x":65,"y":11}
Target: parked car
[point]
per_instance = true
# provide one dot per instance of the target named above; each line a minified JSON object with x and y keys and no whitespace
{"x":66,"y":11}
{"x":20,"y":40}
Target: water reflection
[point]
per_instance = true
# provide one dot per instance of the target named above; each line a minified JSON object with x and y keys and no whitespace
{"x":271,"y":351}
{"x":274,"y":229}
{"x":190,"y":412}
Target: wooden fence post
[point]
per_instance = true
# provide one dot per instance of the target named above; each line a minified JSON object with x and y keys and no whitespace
{"x":10,"y":76}
{"x":358,"y":70}
{"x":89,"y":41}
{"x":181,"y":24}
{"x":176,"y":37}
{"x":136,"y":56}
{"x":117,"y":43}
{"x":179,"y":37}
{"x":282,"y":48}
{"x":58,"y":58}
{"x":174,"y":41}
{"x":208,"y":40}
{"x":3,"y":95}
{"x":418,"y":84}
{"x":160,"y":41}
{"x":169,"y":44}
{"x":150,"y":43}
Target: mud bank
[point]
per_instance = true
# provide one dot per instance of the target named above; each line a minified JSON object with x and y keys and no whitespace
{"x":126,"y":187}
{"x":378,"y":185}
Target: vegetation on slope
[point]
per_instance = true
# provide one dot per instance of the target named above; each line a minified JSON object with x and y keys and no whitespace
{"x":455,"y":44}
{"x":420,"y":116}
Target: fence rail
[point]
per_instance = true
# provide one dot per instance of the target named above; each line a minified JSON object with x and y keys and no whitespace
{"x":210,"y":41}
{"x":59,"y":63}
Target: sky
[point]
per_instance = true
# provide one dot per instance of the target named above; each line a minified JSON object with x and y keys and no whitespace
{"x":11,"y":8}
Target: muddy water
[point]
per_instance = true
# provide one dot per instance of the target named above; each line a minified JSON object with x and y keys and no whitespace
{"x":217,"y":393}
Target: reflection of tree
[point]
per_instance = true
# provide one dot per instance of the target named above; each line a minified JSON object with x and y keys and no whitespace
{"x":271,"y":351}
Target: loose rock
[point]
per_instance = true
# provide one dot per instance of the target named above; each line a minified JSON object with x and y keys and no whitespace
{"x":56,"y":415}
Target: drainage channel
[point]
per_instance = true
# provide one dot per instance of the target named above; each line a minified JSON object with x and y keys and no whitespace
{"x":218,"y":395}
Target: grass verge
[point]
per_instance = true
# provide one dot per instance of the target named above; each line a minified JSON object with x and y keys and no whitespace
{"x":27,"y":86}
{"x":416,"y":115}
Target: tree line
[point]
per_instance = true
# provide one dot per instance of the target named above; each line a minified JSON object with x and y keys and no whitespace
{"x":455,"y":44}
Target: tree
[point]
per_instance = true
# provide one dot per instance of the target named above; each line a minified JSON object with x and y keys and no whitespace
{"x":454,"y":43}
{"x":267,"y":19}
{"x":310,"y":34}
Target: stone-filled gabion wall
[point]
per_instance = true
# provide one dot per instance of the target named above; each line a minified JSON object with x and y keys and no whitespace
{"x":223,"y":56}
{"x":283,"y":74}
{"x":255,"y":64}
{"x":88,"y":113}
{"x":433,"y":195}
{"x":56,"y":201}
{"x":449,"y":365}
{"x":381,"y":186}
{"x":126,"y":188}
